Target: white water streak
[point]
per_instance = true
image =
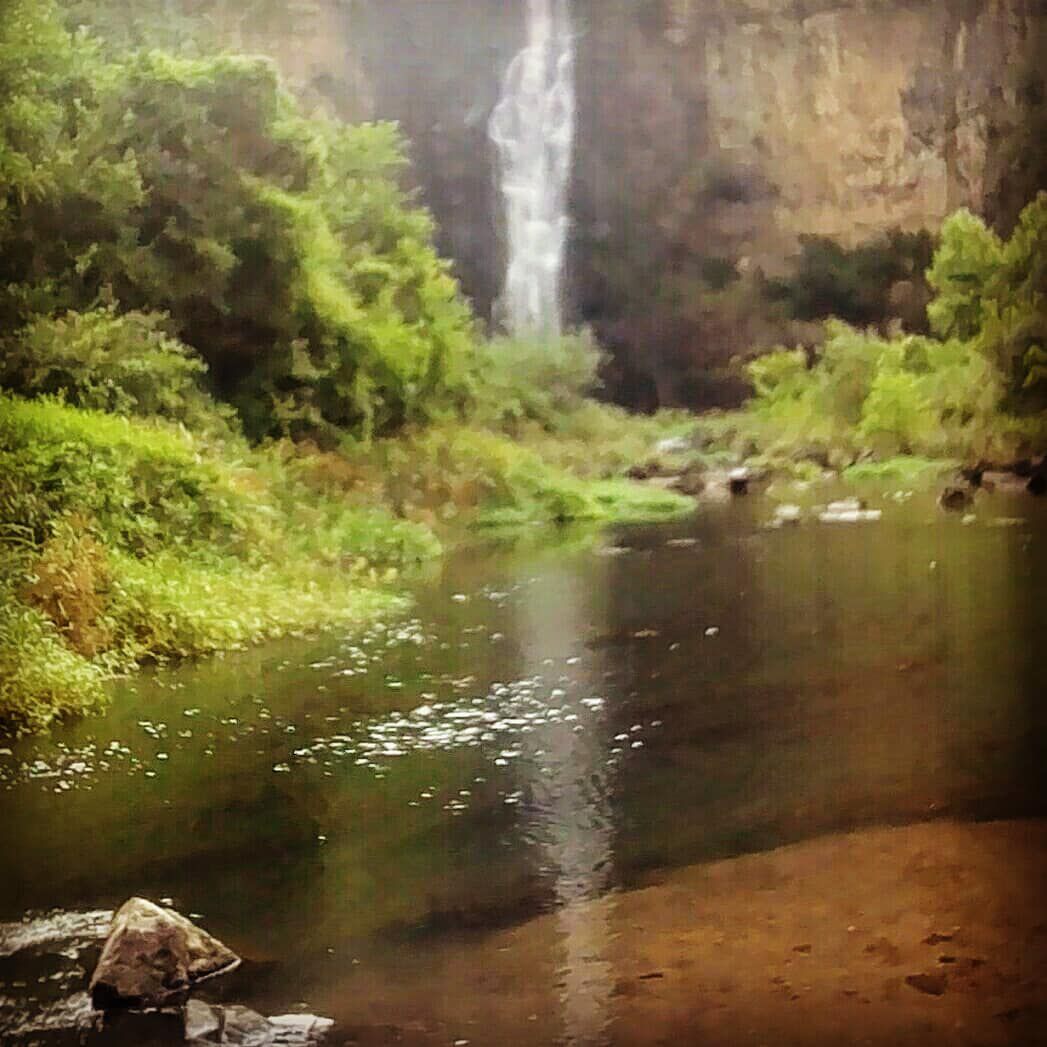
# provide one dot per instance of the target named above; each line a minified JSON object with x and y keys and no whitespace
{"x":532,"y":128}
{"x":57,"y":928}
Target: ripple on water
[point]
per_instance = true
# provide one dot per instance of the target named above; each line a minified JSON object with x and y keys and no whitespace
{"x":55,"y":928}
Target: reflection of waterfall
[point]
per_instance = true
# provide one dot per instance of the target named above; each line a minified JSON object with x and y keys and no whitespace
{"x":532,"y":127}
{"x":570,"y":817}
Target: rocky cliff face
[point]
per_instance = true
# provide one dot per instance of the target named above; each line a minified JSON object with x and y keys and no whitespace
{"x":712,"y":134}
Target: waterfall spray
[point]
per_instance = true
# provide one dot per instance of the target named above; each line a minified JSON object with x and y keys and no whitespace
{"x":532,"y":128}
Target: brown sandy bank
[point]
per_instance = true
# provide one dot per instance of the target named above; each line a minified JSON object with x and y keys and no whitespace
{"x":922,"y":935}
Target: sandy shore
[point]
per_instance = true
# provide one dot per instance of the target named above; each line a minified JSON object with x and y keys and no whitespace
{"x":921,"y":935}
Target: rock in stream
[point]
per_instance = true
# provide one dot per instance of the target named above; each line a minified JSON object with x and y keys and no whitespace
{"x":153,"y":957}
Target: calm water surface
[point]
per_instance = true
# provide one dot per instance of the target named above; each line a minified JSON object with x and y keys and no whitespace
{"x":557,"y":720}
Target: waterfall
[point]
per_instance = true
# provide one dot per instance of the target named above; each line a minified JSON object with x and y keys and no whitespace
{"x":532,"y":128}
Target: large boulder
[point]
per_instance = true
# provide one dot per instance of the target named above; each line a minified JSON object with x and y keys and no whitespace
{"x":153,"y":957}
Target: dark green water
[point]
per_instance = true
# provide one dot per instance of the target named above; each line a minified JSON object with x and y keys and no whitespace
{"x":555,"y":721}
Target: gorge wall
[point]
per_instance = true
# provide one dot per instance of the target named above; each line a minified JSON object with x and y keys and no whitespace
{"x":712,"y":134}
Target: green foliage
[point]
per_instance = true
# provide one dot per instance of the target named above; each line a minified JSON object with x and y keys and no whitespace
{"x":961,"y":394}
{"x":41,"y":678}
{"x":994,"y":294}
{"x":907,"y":470}
{"x":143,"y":486}
{"x":280,"y":246}
{"x":123,"y":364}
{"x":520,"y":381}
{"x":855,"y":284}
{"x":126,"y":541}
{"x":863,"y":393}
{"x":779,"y":375}
{"x":966,"y":268}
{"x":33,"y":56}
{"x":454,"y":471}
{"x":602,"y":441}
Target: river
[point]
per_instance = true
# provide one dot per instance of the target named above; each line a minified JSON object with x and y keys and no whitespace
{"x":558,"y":718}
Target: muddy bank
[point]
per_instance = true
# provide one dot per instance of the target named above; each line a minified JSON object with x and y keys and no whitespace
{"x":924,"y":935}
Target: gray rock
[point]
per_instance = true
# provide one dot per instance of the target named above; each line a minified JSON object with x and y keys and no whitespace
{"x":955,"y":499}
{"x":206,"y":1026}
{"x":691,"y":482}
{"x":153,"y":957}
{"x":245,"y":1028}
{"x":203,"y":1023}
{"x":295,"y":1029}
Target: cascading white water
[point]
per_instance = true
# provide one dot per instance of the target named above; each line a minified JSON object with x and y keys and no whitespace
{"x":532,"y":128}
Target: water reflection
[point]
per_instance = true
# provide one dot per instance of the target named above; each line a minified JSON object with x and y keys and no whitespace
{"x":570,"y":815}
{"x":361,"y":816}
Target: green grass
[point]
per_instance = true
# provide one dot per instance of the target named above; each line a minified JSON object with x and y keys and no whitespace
{"x":128,"y":541}
{"x":456,"y":474}
{"x":41,"y":678}
{"x":904,"y":469}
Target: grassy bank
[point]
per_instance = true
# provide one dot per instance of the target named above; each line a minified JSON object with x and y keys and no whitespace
{"x":127,"y":541}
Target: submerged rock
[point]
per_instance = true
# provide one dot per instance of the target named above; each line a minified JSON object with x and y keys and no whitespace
{"x":690,"y":482}
{"x":206,"y":1025}
{"x":846,"y":505}
{"x":955,"y":499}
{"x":153,"y":957}
{"x":849,"y":510}
{"x":931,"y":984}
{"x":787,"y":514}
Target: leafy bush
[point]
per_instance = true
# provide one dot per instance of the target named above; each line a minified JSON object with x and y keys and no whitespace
{"x":994,"y":294}
{"x":454,"y":471}
{"x":527,"y":380}
{"x":123,"y":541}
{"x":854,"y":284}
{"x":123,"y":364}
{"x":280,"y":245}
{"x":41,"y":677}
{"x":68,"y":583}
{"x":976,"y":390}
{"x":142,"y":486}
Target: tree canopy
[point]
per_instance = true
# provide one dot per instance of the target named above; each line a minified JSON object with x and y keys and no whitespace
{"x":279,"y":245}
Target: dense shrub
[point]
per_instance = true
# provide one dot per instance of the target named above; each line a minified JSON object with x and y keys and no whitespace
{"x":123,"y":541}
{"x":994,"y":294}
{"x":533,"y":380}
{"x":281,"y":246}
{"x":142,"y":486}
{"x":41,"y":677}
{"x":855,"y":284}
{"x":962,"y":393}
{"x":101,"y":360}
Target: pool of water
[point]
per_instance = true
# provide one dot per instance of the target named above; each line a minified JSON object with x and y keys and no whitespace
{"x":557,"y":719}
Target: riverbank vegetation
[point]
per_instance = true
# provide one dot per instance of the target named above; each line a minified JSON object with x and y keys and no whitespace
{"x":974,"y":388}
{"x":240,"y":392}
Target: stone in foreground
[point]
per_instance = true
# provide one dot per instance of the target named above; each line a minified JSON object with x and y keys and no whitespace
{"x":235,"y":1025}
{"x":153,"y":957}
